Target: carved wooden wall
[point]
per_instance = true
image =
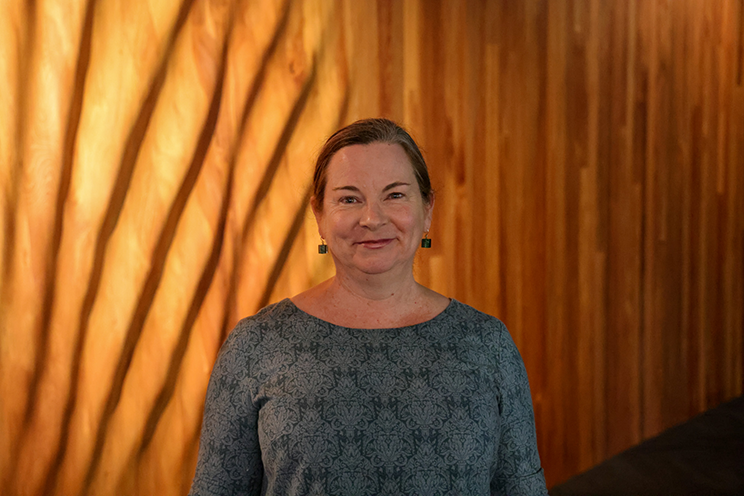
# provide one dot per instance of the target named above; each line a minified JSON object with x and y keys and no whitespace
{"x":155,"y":163}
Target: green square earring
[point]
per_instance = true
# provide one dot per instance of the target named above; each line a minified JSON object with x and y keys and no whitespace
{"x":426,"y":242}
{"x":322,"y":247}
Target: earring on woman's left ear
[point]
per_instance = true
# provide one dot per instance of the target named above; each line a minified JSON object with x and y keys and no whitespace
{"x":426,"y":242}
{"x":322,"y":247}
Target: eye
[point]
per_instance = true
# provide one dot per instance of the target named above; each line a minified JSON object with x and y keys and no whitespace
{"x":348,"y":200}
{"x":396,"y":195}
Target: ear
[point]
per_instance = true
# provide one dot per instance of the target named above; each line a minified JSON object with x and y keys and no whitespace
{"x":317,"y":213}
{"x":428,"y":212}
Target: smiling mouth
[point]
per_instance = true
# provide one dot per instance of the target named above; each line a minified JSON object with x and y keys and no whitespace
{"x":376,"y":243}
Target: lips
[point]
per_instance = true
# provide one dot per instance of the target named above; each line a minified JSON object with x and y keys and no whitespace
{"x":376,"y":243}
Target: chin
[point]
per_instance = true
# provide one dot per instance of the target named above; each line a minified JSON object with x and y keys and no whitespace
{"x":374,"y":269}
{"x":379,"y":266}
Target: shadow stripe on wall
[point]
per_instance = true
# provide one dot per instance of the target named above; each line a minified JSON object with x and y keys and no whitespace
{"x":64,"y":189}
{"x":116,"y":202}
{"x":156,"y":272}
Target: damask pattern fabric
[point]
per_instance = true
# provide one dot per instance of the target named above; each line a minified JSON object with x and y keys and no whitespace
{"x":300,"y":406}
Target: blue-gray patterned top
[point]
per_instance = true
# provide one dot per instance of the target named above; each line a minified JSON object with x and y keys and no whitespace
{"x":299,"y":406}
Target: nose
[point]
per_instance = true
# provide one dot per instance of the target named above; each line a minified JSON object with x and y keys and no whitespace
{"x":373,"y":215}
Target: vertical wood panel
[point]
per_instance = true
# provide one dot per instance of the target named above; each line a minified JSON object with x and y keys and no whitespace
{"x":25,"y":309}
{"x":578,"y":340}
{"x":604,"y":290}
{"x":626,"y":197}
{"x":552,"y":420}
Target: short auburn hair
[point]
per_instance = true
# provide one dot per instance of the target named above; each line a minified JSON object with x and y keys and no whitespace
{"x":366,"y":132}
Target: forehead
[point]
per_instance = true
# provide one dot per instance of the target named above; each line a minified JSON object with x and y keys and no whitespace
{"x":382,"y":161}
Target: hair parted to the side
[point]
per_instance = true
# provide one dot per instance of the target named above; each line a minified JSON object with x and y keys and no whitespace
{"x":366,"y":132}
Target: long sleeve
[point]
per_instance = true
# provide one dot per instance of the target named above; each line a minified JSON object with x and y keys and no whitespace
{"x":519,"y":472}
{"x":229,"y":456}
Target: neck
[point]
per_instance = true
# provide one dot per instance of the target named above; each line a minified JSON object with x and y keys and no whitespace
{"x":372,"y":304}
{"x":371,"y":301}
{"x":375,"y":289}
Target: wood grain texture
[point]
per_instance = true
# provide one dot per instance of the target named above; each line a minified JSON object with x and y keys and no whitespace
{"x":155,"y":168}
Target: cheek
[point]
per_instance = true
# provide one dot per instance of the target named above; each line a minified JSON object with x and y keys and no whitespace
{"x":409,"y":217}
{"x":340,"y":223}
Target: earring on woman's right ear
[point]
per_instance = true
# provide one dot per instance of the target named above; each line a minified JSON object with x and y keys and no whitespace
{"x":322,"y":247}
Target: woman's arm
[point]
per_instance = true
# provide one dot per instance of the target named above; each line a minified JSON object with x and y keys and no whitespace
{"x":519,"y":472}
{"x":229,"y":456}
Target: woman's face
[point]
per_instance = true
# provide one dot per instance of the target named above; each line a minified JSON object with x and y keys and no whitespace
{"x":373,"y":215}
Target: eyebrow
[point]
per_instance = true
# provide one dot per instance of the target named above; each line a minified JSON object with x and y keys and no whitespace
{"x":395,"y":185}
{"x":386,"y":188}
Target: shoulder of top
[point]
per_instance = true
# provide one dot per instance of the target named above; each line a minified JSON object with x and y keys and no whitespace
{"x":464,"y":311}
{"x":270,"y":314}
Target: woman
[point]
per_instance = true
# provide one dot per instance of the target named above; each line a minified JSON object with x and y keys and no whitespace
{"x":369,"y":383}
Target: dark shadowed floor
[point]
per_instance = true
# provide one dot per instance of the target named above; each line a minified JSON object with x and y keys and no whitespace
{"x":703,"y":456}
